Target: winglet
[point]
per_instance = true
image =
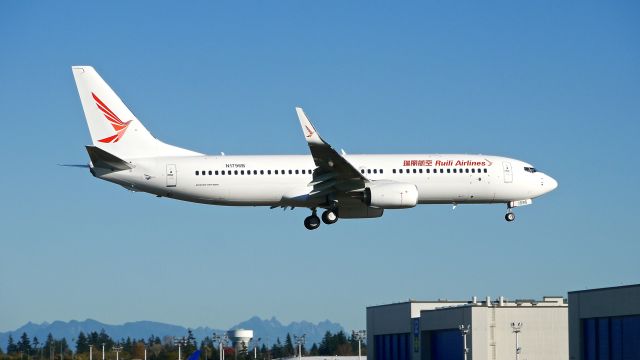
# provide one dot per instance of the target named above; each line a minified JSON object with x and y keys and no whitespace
{"x":308,"y":129}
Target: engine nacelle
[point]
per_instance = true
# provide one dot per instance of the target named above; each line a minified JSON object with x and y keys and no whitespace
{"x":391,"y":195}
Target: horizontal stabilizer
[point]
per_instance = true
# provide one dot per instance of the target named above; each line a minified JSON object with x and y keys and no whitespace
{"x":86,"y":166}
{"x":105,"y":160}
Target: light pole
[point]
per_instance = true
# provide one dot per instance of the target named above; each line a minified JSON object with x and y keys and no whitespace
{"x":464,"y":331}
{"x":102,"y":351}
{"x":299,"y":341}
{"x":516,"y":328}
{"x":117,"y":350}
{"x":222,"y":341}
{"x":91,"y":352}
{"x":180,"y":342}
{"x":255,"y":348}
{"x":359,"y":336}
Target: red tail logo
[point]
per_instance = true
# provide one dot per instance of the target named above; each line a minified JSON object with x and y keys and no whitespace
{"x":118,"y":125}
{"x":309,"y":131}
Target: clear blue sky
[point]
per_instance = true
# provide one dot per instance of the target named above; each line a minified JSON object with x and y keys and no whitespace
{"x":553,"y":83}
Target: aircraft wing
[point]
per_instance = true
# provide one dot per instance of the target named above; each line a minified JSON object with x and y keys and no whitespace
{"x":333,"y":172}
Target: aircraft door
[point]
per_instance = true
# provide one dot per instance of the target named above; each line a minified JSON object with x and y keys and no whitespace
{"x":172,"y":175}
{"x":507,"y":172}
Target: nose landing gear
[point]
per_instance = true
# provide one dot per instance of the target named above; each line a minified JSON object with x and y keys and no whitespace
{"x":510,"y":216}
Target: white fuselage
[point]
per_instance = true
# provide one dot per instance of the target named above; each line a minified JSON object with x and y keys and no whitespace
{"x":280,"y":180}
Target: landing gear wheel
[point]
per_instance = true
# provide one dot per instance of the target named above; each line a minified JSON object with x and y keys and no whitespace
{"x":329,"y":217}
{"x":510,"y":216}
{"x":312,"y":222}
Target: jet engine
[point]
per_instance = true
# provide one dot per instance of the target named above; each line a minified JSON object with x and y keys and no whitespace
{"x":391,"y":195}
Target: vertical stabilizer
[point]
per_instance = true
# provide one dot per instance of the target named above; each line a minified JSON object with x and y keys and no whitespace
{"x":112,"y":125}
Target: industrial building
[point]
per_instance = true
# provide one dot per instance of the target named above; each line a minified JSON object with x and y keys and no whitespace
{"x":394,"y":328}
{"x":605,"y":323}
{"x":430,"y":330}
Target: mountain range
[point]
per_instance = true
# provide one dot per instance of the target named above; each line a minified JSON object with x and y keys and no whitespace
{"x":267,"y":329}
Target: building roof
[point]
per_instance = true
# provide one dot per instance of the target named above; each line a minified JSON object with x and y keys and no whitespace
{"x":605,"y":288}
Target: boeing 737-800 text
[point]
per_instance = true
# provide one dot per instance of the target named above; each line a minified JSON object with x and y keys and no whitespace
{"x":345,"y":186}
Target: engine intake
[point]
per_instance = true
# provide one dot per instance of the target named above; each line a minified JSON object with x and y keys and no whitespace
{"x":393,"y":195}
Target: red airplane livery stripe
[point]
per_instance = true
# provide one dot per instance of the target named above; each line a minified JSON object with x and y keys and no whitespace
{"x":118,"y":125}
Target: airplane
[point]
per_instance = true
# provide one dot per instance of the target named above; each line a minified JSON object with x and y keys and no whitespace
{"x":343,"y":186}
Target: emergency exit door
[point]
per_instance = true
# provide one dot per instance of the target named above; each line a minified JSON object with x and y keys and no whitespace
{"x":172,"y":175}
{"x":507,"y":172}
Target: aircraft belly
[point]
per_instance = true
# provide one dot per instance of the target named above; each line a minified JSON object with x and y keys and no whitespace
{"x":444,"y":191}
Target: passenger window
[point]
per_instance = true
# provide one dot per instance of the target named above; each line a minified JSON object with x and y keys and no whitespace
{"x":216,"y":172}
{"x":381,"y":171}
{"x":428,"y":171}
{"x":362,"y":171}
{"x":210,"y":172}
{"x":466,"y":170}
{"x":455,"y":171}
{"x":393,"y":171}
{"x":375,"y":171}
{"x":241,"y":172}
{"x":415,"y":171}
{"x":222,"y":172}
{"x":448,"y":171}
{"x":297,"y":172}
{"x":261,"y":172}
{"x":276,"y":172}
{"x":420,"y":171}
{"x":282,"y":172}
{"x":473,"y":171}
{"x":400,"y":171}
{"x":485,"y":170}
{"x":441,"y":171}
{"x":479,"y":171}
{"x":290,"y":172}
{"x":197,"y":172}
{"x":304,"y":171}
{"x":269,"y":172}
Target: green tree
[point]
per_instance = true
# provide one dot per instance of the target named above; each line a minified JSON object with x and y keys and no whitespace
{"x":49,"y":349}
{"x":36,"y":343}
{"x":276,"y":349}
{"x":12,"y":348}
{"x":82,"y":343}
{"x":288,"y":346}
{"x":325,"y":345}
{"x":191,"y":344}
{"x":106,"y":339}
{"x":24,"y":344}
{"x":314,"y":350}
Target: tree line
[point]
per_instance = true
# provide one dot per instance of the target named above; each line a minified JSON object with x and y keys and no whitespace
{"x":26,"y":348}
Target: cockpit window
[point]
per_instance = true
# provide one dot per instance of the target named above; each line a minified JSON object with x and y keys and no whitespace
{"x":530,"y":169}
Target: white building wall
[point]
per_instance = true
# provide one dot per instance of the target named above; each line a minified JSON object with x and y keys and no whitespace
{"x":544,"y":332}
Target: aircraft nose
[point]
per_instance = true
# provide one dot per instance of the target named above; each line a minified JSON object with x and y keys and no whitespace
{"x":552,"y":183}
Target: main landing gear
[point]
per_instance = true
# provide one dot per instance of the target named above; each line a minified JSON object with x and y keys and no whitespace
{"x":312,"y":222}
